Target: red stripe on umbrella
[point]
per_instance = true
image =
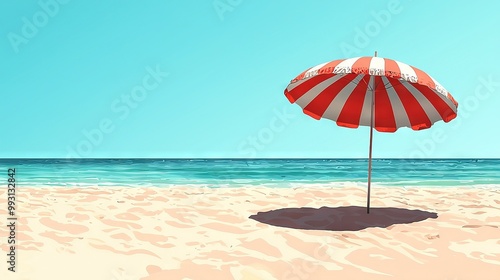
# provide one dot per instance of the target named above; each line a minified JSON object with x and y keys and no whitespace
{"x":446,"y":112}
{"x":353,"y":106}
{"x":304,"y":87}
{"x":317,"y":107}
{"x":361,"y":66}
{"x":423,"y":78}
{"x":384,"y":115}
{"x":329,"y":67}
{"x":416,"y":114}
{"x":392,"y":69}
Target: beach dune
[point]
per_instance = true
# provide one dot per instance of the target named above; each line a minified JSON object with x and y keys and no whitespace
{"x":254,"y":233}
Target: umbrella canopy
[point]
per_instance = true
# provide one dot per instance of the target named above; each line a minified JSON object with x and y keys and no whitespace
{"x":382,"y":93}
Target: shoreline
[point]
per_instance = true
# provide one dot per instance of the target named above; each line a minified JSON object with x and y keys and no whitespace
{"x":290,"y":185}
{"x":152,"y":233}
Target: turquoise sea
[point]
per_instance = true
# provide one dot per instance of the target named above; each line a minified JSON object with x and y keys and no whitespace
{"x":260,"y":172}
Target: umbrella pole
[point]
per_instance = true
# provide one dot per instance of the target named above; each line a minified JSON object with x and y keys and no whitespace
{"x":370,"y":158}
{"x":371,"y":141}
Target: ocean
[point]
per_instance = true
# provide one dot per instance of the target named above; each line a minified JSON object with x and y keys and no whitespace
{"x":280,"y":173}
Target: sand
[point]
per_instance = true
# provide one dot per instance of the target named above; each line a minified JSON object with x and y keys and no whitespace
{"x":254,"y":233}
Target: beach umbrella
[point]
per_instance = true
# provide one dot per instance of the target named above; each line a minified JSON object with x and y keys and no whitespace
{"x":378,"y":92}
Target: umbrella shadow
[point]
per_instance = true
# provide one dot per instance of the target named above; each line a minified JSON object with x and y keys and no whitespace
{"x":345,"y":218}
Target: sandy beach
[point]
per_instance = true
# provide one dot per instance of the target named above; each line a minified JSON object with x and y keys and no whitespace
{"x":254,"y":233}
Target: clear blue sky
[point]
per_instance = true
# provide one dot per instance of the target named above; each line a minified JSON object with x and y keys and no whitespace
{"x":206,"y":78}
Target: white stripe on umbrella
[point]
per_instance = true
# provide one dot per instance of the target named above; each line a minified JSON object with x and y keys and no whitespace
{"x":398,"y":110}
{"x":296,"y":84}
{"x":345,"y":66}
{"x":366,"y":109}
{"x":313,"y":71}
{"x":315,"y":91}
{"x":447,"y":100}
{"x":377,"y":66}
{"x":429,"y":109}
{"x":335,"y":107}
{"x":407,"y":73}
{"x":439,"y":88}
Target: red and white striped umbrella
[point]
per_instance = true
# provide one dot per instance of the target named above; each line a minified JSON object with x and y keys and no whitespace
{"x":382,"y":93}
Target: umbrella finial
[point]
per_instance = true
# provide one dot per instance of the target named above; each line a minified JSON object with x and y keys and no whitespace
{"x":375,"y":53}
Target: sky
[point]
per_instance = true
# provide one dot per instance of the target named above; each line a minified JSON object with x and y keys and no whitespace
{"x":205,"y":79}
